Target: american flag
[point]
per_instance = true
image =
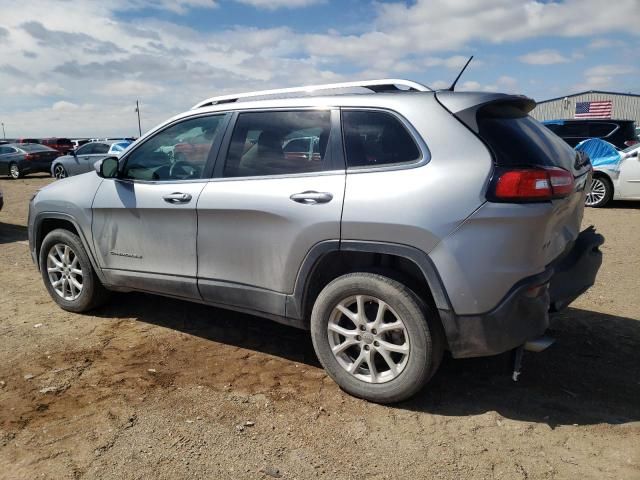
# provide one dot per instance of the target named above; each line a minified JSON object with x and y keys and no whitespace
{"x":599,"y":109}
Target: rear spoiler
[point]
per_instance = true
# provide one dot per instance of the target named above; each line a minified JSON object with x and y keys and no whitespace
{"x":465,"y":105}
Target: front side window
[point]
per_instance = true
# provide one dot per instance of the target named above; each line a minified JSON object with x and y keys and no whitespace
{"x":179,"y":152}
{"x":86,"y":149}
{"x":279,"y":143}
{"x":376,"y":138}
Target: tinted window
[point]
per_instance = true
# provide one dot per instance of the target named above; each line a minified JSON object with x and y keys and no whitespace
{"x":601,"y":129}
{"x":278,"y":143}
{"x":573,"y":129}
{"x":100,"y":148}
{"x":5,"y":150}
{"x":35,"y":147}
{"x":376,"y":138}
{"x":179,"y":152}
{"x":517,"y":139}
{"x":86,"y":149}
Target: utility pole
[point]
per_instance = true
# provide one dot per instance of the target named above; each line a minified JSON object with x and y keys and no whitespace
{"x":4,"y":135}
{"x":138,"y":112}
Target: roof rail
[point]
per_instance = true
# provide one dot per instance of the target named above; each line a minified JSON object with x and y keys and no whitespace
{"x":382,"y":85}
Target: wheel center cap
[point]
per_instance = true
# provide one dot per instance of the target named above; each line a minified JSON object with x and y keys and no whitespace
{"x":367,"y":338}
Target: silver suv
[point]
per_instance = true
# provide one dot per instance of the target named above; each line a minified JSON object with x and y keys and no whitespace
{"x":393,"y":224}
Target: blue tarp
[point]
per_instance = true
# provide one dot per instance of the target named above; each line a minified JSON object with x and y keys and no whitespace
{"x":601,"y":153}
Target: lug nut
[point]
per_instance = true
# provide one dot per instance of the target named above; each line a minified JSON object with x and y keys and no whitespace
{"x":358,"y":337}
{"x":362,"y":327}
{"x":366,"y":347}
{"x":374,"y":331}
{"x":376,"y":344}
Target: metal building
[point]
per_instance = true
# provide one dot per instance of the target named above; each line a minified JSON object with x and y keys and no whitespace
{"x":626,"y":106}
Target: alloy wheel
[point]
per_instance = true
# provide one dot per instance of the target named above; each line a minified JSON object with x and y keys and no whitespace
{"x":368,"y":339}
{"x":64,"y":271}
{"x":59,"y":172}
{"x":597,"y":192}
{"x":14,"y":171}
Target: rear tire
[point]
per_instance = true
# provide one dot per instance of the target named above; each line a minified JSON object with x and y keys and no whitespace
{"x":600,"y":193}
{"x":14,"y":171}
{"x":383,"y":358}
{"x":68,"y":274}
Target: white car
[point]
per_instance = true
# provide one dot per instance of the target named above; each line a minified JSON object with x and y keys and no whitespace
{"x":616,"y":182}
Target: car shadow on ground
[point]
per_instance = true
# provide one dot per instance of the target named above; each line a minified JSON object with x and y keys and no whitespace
{"x":591,"y":375}
{"x":635,"y":204}
{"x":10,"y":233}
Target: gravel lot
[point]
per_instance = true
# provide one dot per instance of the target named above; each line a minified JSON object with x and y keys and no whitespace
{"x":149,"y":387}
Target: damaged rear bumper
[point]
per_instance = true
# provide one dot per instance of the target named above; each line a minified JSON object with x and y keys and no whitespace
{"x":524,"y":313}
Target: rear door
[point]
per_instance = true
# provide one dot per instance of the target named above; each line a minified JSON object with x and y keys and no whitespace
{"x":266,"y":207}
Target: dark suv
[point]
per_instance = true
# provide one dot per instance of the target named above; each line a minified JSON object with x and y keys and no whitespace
{"x":620,"y":133}
{"x":63,"y":145}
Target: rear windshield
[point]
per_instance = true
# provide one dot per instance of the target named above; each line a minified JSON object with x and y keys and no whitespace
{"x":516,"y":139}
{"x":64,"y":141}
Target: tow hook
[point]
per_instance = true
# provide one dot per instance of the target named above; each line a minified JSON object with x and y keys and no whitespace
{"x":537,"y":345}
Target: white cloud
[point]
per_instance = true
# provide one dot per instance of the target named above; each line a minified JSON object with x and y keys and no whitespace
{"x":602,"y":70}
{"x":41,"y":89}
{"x":544,"y":57}
{"x":64,"y":106}
{"x":604,"y":76}
{"x":275,"y":4}
{"x":132,"y":88}
{"x":605,"y":43}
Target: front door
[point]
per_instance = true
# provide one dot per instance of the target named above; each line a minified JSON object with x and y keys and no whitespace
{"x":629,"y":182}
{"x":267,"y":206}
{"x":144,"y":222}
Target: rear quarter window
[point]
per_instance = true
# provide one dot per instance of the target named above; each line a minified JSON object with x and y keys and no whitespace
{"x":374,"y":138}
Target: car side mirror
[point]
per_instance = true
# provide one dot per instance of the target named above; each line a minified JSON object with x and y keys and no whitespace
{"x":74,"y":153}
{"x":107,"y":167}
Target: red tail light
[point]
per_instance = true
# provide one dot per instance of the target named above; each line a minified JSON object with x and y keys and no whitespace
{"x":629,"y":143}
{"x":531,"y":184}
{"x":29,"y":156}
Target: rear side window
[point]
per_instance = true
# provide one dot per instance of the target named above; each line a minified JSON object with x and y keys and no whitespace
{"x":516,"y":139}
{"x":376,"y":138}
{"x":601,"y":129}
{"x":100,"y":148}
{"x":279,"y":143}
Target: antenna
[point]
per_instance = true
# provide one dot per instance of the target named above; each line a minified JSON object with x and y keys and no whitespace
{"x":453,"y":85}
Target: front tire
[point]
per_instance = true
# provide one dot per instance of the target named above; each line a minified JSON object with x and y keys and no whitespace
{"x":600,"y":193}
{"x":68,"y":274}
{"x":14,"y":171}
{"x":375,"y":338}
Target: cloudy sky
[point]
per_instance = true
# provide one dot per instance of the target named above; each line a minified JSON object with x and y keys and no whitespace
{"x":76,"y":67}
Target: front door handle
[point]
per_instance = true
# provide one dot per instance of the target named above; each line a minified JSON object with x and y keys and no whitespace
{"x":311,"y":198}
{"x":177,"y":197}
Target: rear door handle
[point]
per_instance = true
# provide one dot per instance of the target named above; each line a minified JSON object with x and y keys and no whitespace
{"x":177,"y":197}
{"x":311,"y":197}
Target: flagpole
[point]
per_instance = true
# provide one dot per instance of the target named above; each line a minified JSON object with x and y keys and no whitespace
{"x":138,"y":112}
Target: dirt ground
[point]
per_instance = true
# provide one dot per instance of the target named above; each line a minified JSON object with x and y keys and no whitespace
{"x":150,"y":388}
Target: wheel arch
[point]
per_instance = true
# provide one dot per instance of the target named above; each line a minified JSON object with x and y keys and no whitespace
{"x":46,"y":222}
{"x":328,"y":260}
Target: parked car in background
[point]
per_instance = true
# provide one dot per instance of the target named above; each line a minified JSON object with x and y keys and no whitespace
{"x":19,"y":159}
{"x":63,"y":145}
{"x":383,"y":243}
{"x":82,"y":160}
{"x":27,"y":140}
{"x":616,"y":174}
{"x":620,"y":133}
{"x":78,"y":142}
